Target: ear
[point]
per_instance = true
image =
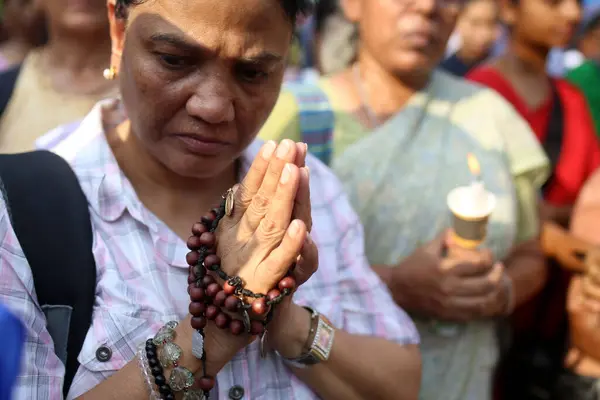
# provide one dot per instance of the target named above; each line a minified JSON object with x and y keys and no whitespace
{"x":352,"y":9}
{"x":117,"y":34}
{"x":508,"y":12}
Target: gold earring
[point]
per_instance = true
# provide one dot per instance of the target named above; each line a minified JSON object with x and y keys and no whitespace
{"x":110,"y":73}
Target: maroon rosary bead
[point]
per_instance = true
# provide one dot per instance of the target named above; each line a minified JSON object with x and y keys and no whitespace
{"x":228,"y":288}
{"x":256,"y":327}
{"x":272,"y":294}
{"x":206,"y":239}
{"x":196,"y":293}
{"x":259,"y":306}
{"x":206,"y":383}
{"x":198,"y":229}
{"x":232,"y":303}
{"x":211,"y":312}
{"x":236,"y":326}
{"x":222,"y":320}
{"x":287,"y":283}
{"x":197,"y":308}
{"x":193,"y":243}
{"x":213,"y":289}
{"x":192,"y":258}
{"x":207,"y":280}
{"x":219,"y":299}
{"x":198,"y":323}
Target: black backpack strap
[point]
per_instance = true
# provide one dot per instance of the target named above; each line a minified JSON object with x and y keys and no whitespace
{"x":8,"y":80}
{"x":50,"y":216}
{"x":554,"y":133}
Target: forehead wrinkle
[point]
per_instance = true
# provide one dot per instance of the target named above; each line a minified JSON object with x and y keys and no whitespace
{"x":231,"y":31}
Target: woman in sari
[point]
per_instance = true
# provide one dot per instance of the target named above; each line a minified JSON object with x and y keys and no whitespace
{"x":402,"y":132}
{"x":197,"y":80}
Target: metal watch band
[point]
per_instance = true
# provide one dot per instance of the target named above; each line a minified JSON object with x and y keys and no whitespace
{"x":320,"y":346}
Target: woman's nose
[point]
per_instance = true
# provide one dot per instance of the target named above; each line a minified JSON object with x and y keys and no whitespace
{"x":212,"y":102}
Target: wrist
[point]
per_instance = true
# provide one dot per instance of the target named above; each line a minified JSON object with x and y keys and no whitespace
{"x":220,"y":345}
{"x":289,"y":331}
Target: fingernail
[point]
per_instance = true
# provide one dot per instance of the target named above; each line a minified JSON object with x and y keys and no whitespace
{"x":305,"y":147}
{"x":294,"y":228}
{"x":307,"y":169}
{"x":268,"y":150}
{"x":285,"y":175}
{"x":283,"y":149}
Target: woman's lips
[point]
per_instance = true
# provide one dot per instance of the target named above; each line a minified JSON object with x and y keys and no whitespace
{"x":201,"y":146}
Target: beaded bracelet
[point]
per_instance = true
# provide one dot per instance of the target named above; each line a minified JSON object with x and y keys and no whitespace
{"x":162,"y":352}
{"x":144,"y":367}
{"x":208,"y":296}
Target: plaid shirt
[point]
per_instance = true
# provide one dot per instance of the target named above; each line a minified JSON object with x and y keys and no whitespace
{"x":142,"y":279}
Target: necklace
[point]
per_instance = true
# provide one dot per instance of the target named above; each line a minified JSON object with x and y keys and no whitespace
{"x":374,"y":121}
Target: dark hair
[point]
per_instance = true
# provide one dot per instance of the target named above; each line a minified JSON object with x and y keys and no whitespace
{"x":292,"y":8}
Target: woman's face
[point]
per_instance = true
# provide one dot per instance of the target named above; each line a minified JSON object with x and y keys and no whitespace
{"x":478,"y":26}
{"x":76,"y":15}
{"x":404,"y":36}
{"x":199,"y":78}
{"x":542,"y":23}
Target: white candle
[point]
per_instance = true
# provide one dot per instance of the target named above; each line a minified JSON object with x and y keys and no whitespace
{"x":479,"y":197}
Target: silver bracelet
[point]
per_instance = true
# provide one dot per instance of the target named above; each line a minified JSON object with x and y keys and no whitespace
{"x":144,"y":367}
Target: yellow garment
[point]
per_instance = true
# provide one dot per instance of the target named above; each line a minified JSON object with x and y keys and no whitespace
{"x":35,"y":108}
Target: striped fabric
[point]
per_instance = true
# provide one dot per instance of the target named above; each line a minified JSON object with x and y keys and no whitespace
{"x":142,"y":279}
{"x":316,"y":119}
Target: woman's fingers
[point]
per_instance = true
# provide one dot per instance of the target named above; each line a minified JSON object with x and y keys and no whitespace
{"x":308,"y":262}
{"x":248,"y":188}
{"x":285,"y":153}
{"x":279,"y":214}
{"x":301,"y":150}
{"x":283,"y":256}
{"x":302,"y":207}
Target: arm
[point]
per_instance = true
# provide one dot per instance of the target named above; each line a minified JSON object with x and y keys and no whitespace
{"x":42,"y":372}
{"x":375,"y":353}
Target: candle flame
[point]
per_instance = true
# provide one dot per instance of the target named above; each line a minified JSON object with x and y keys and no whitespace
{"x":473,"y":164}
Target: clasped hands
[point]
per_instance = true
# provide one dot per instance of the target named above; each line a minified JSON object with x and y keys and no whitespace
{"x":268,"y":232}
{"x":444,"y":281}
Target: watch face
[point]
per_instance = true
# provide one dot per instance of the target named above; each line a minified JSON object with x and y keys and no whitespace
{"x":323,"y":340}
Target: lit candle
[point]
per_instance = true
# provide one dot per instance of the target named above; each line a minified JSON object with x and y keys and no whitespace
{"x":478,"y":196}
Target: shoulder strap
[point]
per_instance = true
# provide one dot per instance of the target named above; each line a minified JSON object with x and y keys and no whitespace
{"x":316,"y":118}
{"x":8,"y":80}
{"x":554,"y":133}
{"x":50,"y":216}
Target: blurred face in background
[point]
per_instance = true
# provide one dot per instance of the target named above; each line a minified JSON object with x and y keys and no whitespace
{"x":24,"y":19}
{"x":589,"y":44}
{"x":77,"y":15}
{"x":478,"y":27}
{"x":405,"y":37}
{"x":542,"y":23}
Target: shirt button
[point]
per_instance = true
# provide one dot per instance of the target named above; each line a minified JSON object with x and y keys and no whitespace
{"x":236,"y":392}
{"x":103,"y":354}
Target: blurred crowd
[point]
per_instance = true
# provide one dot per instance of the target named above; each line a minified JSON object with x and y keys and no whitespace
{"x":395,"y":96}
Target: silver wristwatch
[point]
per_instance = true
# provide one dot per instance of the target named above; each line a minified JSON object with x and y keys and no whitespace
{"x":322,"y":333}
